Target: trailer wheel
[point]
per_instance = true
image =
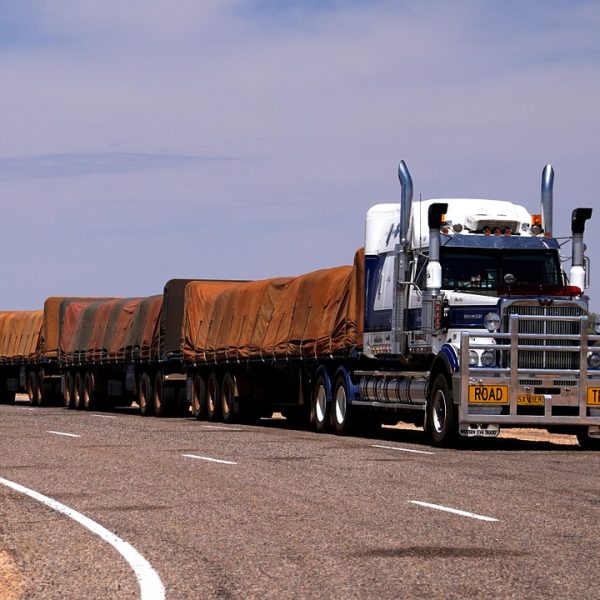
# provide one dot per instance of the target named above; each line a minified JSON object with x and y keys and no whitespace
{"x":89,"y":401}
{"x":7,"y":397}
{"x":68,"y":393}
{"x":230,"y":404}
{"x":441,"y":413}
{"x":319,"y":407}
{"x":198,"y":397}
{"x":146,"y":395}
{"x":586,"y":442}
{"x":341,"y":410}
{"x":78,"y":391}
{"x":164,"y":396}
{"x":32,"y":389}
{"x":213,"y":398}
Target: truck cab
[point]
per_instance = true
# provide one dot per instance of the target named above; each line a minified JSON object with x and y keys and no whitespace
{"x":468,"y":298}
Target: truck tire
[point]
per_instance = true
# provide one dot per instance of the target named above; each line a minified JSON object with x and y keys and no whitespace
{"x":146,"y":396}
{"x":89,"y":400}
{"x":586,"y":442}
{"x":341,"y":410}
{"x":164,"y":396}
{"x":6,"y":396}
{"x":198,"y":397}
{"x":319,"y":407}
{"x":32,"y":388}
{"x":441,"y":413}
{"x":68,"y":392}
{"x":45,"y":389}
{"x":230,"y":404}
{"x":78,"y":391}
{"x":213,"y":398}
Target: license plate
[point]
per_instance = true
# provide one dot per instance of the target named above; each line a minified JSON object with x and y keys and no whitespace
{"x":593,"y":396}
{"x":488,"y":394}
{"x":530,"y":399}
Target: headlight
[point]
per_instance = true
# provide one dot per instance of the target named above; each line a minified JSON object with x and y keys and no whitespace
{"x":488,"y":358}
{"x":594,"y":360}
{"x":473,"y":358}
{"x":597,"y":327}
{"x":492,"y":322}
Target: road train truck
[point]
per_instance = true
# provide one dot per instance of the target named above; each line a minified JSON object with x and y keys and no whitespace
{"x":471,"y":322}
{"x":465,"y":322}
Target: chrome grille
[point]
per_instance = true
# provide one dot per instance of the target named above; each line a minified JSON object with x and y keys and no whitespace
{"x":532,"y":359}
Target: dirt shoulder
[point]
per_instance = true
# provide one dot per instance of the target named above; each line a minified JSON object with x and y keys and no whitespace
{"x":12,"y":583}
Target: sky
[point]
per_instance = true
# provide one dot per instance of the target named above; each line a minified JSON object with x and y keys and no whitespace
{"x":241,"y":139}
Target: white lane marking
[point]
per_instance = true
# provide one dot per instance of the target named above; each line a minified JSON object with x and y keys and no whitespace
{"x":74,"y":435}
{"x":25,"y":408}
{"x":221,"y":428}
{"x":103,"y":416}
{"x":462,"y":513}
{"x":401,"y":449}
{"x":151,"y":587}
{"x":217,"y":460}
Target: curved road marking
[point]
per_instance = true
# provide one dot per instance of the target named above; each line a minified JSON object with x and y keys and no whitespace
{"x":401,"y":449}
{"x":462,"y":513}
{"x":151,"y":586}
{"x":63,"y":433}
{"x":217,"y":460}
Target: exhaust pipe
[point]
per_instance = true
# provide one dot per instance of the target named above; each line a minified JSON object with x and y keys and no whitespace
{"x":405,"y":200}
{"x":577,"y":273}
{"x":434,"y":269}
{"x":547,"y":199}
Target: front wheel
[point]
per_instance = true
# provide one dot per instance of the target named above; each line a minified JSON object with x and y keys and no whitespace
{"x":586,"y":442}
{"x":441,"y":413}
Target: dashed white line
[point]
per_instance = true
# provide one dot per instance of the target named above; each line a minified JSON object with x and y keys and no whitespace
{"x":462,"y":513}
{"x":221,"y":428}
{"x":151,"y":587}
{"x":103,"y":416}
{"x":401,"y":449}
{"x":73,"y":435}
{"x":216,"y":460}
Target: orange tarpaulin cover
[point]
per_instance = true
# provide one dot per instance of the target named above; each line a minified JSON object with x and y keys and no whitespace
{"x":51,"y":326}
{"x":20,"y":335}
{"x":116,"y":328}
{"x":313,"y":315}
{"x":198,"y":312}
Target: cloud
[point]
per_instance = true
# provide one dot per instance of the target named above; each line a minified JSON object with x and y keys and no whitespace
{"x":77,"y":165}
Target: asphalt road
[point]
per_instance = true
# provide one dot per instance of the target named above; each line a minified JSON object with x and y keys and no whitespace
{"x":293,"y":514}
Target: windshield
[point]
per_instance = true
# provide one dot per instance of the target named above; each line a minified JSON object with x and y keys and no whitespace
{"x":482,"y":271}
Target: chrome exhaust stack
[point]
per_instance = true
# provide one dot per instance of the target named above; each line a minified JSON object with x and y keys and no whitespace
{"x":547,"y":197}
{"x":405,"y":200}
{"x":399,"y":303}
{"x":434,"y":269}
{"x":577,"y":273}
